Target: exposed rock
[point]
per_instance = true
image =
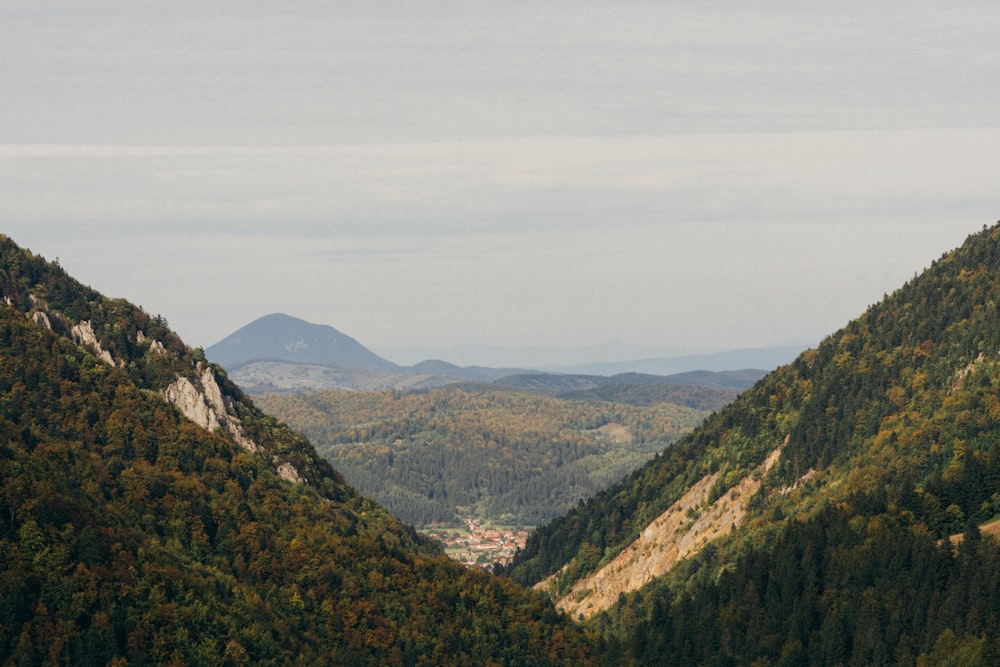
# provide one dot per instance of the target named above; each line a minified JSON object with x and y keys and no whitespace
{"x":39,"y":317}
{"x":191,"y":401}
{"x":963,"y":373}
{"x":83,"y":334}
{"x":155,"y":346}
{"x":39,"y":312}
{"x":683,"y":530}
{"x":204,"y":404}
{"x":288,"y":472}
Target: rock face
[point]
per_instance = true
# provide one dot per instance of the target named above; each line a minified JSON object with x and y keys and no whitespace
{"x":288,"y":473}
{"x":155,"y":346}
{"x":681,"y":531}
{"x":83,"y":334}
{"x":42,"y":319}
{"x":204,"y":404}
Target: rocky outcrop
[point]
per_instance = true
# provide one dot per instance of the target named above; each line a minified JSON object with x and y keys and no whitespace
{"x":83,"y":334}
{"x":683,"y":530}
{"x":202,"y":402}
{"x":42,"y":319}
{"x":289,"y":473}
{"x":39,"y":312}
{"x":155,"y":346}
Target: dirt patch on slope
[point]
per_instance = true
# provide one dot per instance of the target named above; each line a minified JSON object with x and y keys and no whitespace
{"x":991,"y":528}
{"x":683,"y":530}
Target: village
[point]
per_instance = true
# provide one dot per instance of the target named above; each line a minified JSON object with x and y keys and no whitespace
{"x":478,"y":545}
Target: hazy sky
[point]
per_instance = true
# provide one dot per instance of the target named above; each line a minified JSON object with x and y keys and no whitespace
{"x":514,"y":173}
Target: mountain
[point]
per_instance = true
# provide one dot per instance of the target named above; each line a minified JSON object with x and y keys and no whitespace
{"x":835,"y":513}
{"x":151,"y":514}
{"x":280,"y":337}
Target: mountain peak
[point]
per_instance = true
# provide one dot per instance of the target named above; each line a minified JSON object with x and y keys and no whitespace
{"x":281,"y":337}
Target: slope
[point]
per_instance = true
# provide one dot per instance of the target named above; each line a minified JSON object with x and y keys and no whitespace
{"x":889,"y":440}
{"x":150,"y":514}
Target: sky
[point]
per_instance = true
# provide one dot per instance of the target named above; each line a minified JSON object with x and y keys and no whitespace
{"x":696,"y":175}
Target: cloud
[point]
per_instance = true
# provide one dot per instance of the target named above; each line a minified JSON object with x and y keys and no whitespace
{"x":108,"y":72}
{"x":500,"y":172}
{"x":487,"y":187}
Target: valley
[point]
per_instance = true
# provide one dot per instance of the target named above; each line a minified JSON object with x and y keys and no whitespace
{"x":839,"y":511}
{"x":443,"y":456}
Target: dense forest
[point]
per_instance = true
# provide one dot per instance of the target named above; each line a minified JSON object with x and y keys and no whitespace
{"x":131,"y":535}
{"x":890,"y":436}
{"x":857,"y":583}
{"x":433,"y":456}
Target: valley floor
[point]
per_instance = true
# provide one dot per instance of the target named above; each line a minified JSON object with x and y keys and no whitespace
{"x":480,"y":545}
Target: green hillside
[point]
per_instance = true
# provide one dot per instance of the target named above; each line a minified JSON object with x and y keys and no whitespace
{"x":889,"y":440}
{"x":129,"y":534}
{"x":433,"y":456}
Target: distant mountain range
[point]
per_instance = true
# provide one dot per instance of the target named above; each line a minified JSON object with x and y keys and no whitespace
{"x":280,"y":353}
{"x":758,"y":357}
{"x":605,"y":359}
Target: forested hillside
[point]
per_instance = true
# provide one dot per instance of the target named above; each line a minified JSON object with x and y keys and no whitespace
{"x":150,"y":514}
{"x":889,"y":442}
{"x":435,"y":455}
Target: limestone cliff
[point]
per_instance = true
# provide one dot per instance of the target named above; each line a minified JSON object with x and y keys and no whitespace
{"x":83,"y":334}
{"x":202,"y":402}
